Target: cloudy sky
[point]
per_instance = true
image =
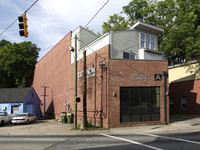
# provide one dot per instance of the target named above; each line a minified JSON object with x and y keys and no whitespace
{"x":50,"y":20}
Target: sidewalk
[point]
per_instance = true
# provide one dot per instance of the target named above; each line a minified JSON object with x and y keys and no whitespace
{"x":177,"y":123}
{"x":53,"y":127}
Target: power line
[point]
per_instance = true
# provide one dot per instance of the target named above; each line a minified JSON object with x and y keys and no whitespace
{"x":8,"y":27}
{"x":31,"y":6}
{"x":94,"y":15}
{"x":17,"y":19}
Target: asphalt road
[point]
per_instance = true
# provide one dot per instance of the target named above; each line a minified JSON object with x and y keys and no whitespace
{"x":103,"y":141}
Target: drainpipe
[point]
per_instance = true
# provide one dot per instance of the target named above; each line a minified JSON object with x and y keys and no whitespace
{"x":165,"y":94}
{"x":101,"y":109}
{"x":102,"y":66}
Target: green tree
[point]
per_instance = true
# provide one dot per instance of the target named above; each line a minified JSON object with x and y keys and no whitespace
{"x":115,"y":22}
{"x":17,"y":61}
{"x":3,"y":43}
{"x":180,"y":20}
{"x":2,"y":71}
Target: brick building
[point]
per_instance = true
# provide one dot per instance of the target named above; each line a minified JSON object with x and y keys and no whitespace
{"x":184,"y":89}
{"x":126,"y":77}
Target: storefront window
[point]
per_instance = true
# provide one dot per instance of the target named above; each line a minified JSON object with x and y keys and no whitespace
{"x":139,"y":104}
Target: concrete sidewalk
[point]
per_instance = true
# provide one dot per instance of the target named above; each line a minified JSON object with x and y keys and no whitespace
{"x":53,"y":127}
{"x":177,"y":123}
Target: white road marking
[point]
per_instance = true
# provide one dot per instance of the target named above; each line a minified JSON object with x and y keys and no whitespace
{"x":134,"y":142}
{"x":20,"y":148}
{"x":172,"y":138}
{"x":32,"y":139}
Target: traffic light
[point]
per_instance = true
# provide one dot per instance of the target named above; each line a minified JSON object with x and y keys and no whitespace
{"x":23,"y":25}
{"x":78,"y":99}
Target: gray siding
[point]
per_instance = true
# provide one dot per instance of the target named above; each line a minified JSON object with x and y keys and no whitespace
{"x":86,"y":37}
{"x":124,"y":41}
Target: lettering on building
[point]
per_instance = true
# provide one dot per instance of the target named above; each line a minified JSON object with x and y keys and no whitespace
{"x":158,"y":77}
{"x":140,"y":76}
{"x":90,"y":73}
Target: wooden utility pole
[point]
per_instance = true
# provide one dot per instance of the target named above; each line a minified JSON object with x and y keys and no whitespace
{"x":45,"y":87}
{"x":75,"y":83}
{"x":84,"y":91}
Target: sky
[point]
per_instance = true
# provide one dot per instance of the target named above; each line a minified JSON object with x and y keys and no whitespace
{"x":50,"y":20}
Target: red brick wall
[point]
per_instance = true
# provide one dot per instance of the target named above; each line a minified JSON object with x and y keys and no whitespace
{"x":120,"y":76}
{"x":53,"y":70}
{"x":93,"y":88}
{"x":190,"y":90}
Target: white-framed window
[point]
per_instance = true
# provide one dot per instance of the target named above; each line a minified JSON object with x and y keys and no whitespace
{"x":127,"y":55}
{"x":147,"y":41}
{"x":183,"y":102}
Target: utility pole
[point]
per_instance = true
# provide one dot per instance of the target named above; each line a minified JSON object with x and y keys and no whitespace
{"x":45,"y":87}
{"x":84,"y":91}
{"x":75,"y":83}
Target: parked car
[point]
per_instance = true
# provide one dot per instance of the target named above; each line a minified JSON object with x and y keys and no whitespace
{"x":23,"y":118}
{"x":4,"y":118}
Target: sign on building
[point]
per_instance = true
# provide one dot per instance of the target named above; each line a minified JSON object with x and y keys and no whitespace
{"x":158,"y":77}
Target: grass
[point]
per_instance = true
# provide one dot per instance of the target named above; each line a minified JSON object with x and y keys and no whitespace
{"x":90,"y":127}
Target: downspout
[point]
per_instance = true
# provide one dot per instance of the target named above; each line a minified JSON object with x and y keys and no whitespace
{"x":103,"y":66}
{"x":101,"y":109}
{"x":165,"y":94}
{"x":95,"y":97}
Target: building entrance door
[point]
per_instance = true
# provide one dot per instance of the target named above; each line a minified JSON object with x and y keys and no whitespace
{"x":15,"y":109}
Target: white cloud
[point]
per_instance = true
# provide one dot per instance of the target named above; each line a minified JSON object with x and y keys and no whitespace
{"x":50,"y":20}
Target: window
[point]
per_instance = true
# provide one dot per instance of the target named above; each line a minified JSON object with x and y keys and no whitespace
{"x":171,"y":103}
{"x":128,"y":55}
{"x":132,"y":56}
{"x":142,"y":39}
{"x":152,"y":42}
{"x":139,"y":104}
{"x":147,"y":41}
{"x":183,"y":103}
{"x":125,"y":55}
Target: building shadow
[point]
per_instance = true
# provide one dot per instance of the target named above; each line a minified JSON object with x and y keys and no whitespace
{"x":50,"y":112}
{"x":179,"y":118}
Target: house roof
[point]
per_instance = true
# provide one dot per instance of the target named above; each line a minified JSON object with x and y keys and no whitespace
{"x":147,"y":27}
{"x":13,"y":95}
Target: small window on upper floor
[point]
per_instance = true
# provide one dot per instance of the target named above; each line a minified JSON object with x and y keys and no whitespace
{"x":127,"y":55}
{"x":147,"y":41}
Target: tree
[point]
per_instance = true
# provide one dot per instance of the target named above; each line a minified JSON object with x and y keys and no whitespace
{"x":3,"y":43}
{"x":17,"y":62}
{"x":2,"y":71}
{"x":115,"y":22}
{"x":180,"y":20}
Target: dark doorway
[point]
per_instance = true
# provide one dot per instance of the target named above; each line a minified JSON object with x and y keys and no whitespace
{"x":139,"y":104}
